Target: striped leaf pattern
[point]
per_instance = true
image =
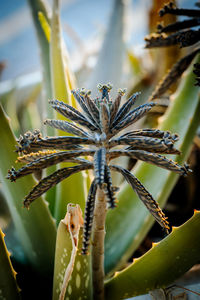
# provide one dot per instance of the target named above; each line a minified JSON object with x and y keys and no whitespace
{"x":145,"y":196}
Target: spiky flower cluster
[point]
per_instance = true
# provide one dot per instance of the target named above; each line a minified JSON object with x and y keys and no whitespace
{"x":96,"y":134}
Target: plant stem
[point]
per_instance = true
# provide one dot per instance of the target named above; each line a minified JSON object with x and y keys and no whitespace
{"x":98,"y":245}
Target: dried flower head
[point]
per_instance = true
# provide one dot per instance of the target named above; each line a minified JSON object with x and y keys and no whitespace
{"x":180,"y":33}
{"x":176,"y":33}
{"x":96,"y":134}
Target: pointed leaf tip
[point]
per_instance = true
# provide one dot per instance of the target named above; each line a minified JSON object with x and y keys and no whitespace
{"x":154,"y":245}
{"x":135,"y":260}
{"x":174,"y":228}
{"x":116,"y":273}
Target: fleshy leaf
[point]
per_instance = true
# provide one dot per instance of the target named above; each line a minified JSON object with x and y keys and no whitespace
{"x":61,"y":91}
{"x":45,"y":25}
{"x":161,"y":265}
{"x":39,"y":8}
{"x":59,"y":81}
{"x":8,"y":284}
{"x":33,"y":226}
{"x":41,"y":14}
{"x":110,"y":60}
{"x":128,"y":224}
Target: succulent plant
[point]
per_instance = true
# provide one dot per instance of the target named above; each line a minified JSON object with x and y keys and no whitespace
{"x":104,"y":119}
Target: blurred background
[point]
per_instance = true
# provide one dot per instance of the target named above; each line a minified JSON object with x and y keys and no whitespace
{"x":84,"y":23}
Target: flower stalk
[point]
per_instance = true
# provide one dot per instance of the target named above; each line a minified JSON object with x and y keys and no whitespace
{"x":98,"y":245}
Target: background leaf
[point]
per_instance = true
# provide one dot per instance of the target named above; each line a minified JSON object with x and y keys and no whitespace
{"x":67,"y":191}
{"x":41,"y":17}
{"x":40,"y":6}
{"x":109,"y":66}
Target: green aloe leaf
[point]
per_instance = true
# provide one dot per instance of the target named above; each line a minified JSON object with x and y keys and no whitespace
{"x":128,"y":224}
{"x":58,"y":76}
{"x":135,"y":64}
{"x":41,"y":17}
{"x":39,"y":7}
{"x":35,"y":227}
{"x":15,"y":95}
{"x":9,"y":289}
{"x":161,"y":265}
{"x":67,"y":191}
{"x":80,"y":284}
{"x":109,"y":65}
{"x":45,"y":25}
